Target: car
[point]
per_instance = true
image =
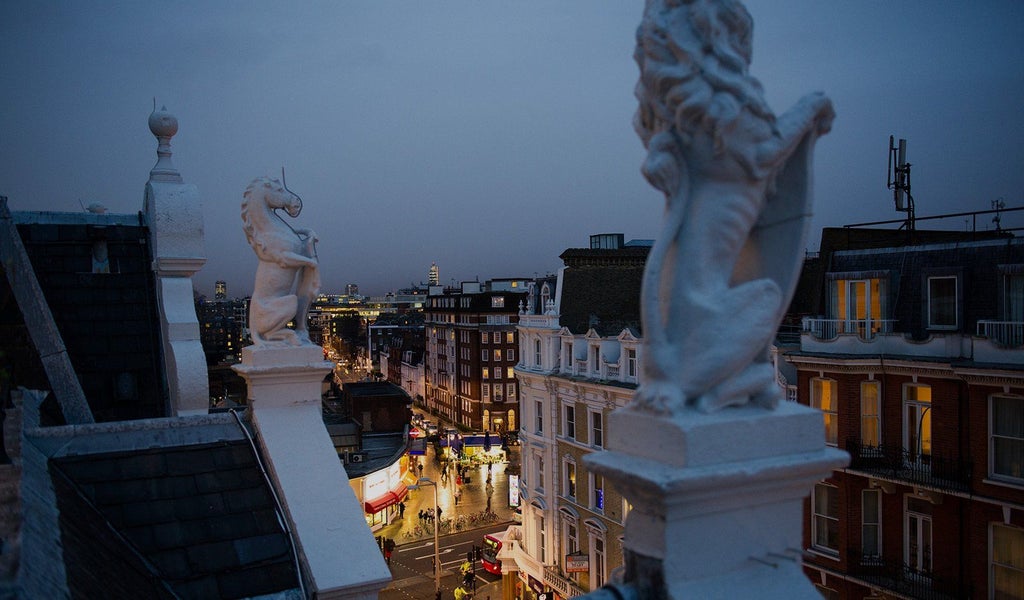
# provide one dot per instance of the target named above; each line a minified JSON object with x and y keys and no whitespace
{"x":430,"y":428}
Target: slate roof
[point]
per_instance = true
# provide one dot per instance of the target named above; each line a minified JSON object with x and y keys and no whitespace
{"x":108,"y":321}
{"x":193,"y":521}
{"x":601,"y":290}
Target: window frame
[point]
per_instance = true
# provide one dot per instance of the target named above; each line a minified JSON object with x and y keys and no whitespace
{"x":930,"y":303}
{"x":921,"y":418}
{"x":868,"y":419}
{"x":597,"y":500}
{"x":992,"y":562}
{"x":871,"y":496}
{"x":569,"y":421}
{"x":596,"y":437}
{"x":993,"y":436}
{"x":570,"y":479}
{"x":830,"y":414}
{"x":832,"y":521}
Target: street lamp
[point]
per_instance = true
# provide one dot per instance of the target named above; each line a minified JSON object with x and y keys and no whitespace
{"x":437,"y":525}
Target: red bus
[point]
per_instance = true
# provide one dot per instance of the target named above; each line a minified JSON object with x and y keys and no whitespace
{"x":489,"y":554}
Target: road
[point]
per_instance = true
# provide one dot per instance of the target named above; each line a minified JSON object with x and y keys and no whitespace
{"x":412,"y":565}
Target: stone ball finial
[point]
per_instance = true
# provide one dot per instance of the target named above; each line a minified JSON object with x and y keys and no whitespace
{"x":163,"y":123}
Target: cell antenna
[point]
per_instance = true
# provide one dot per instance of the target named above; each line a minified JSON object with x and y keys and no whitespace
{"x":898,"y":179}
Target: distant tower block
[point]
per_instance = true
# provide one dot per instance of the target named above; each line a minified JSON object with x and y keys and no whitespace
{"x":434,"y":276}
{"x":351,"y":289}
{"x":220,"y":290}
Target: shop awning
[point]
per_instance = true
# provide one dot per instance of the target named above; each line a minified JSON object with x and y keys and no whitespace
{"x":385,"y":500}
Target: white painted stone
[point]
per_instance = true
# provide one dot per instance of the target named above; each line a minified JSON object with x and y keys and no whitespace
{"x":288,"y":273}
{"x":337,"y":549}
{"x":174,"y":214}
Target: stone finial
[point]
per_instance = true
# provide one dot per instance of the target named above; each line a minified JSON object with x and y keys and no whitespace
{"x":163,"y":125}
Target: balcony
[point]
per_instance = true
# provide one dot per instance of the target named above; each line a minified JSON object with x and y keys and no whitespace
{"x":938,"y":472}
{"x":1008,"y":334}
{"x":865,"y":329}
{"x":895,"y":577}
{"x":566,"y":587}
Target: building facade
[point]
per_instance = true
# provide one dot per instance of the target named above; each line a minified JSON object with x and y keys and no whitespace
{"x":578,"y":361}
{"x":916,"y":359}
{"x":470,"y":354}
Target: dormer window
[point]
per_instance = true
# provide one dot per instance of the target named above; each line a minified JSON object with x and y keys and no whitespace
{"x":859,"y":304}
{"x":942,"y":302}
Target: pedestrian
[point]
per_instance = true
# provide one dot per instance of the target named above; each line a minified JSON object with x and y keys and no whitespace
{"x":423,"y":516}
{"x":401,"y":510}
{"x":420,"y":468}
{"x":389,"y":546}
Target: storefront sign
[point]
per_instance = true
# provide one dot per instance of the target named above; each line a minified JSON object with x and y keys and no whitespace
{"x":577,"y":562}
{"x":513,"y":490}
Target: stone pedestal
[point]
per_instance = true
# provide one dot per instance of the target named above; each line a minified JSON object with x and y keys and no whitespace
{"x":339,"y":556}
{"x":717,"y":498}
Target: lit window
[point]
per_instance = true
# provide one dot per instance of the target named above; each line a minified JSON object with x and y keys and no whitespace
{"x":497,"y":355}
{"x":823,"y":397}
{"x":942,"y":311}
{"x":497,"y":302}
{"x":510,"y":372}
{"x":1006,"y":436}
{"x":570,"y":479}
{"x":870,"y":414}
{"x":510,"y":337}
{"x":485,"y":373}
{"x":917,"y":421}
{"x":859,"y":305}
{"x":484,"y":337}
{"x":597,"y":492}
{"x":825,"y":519}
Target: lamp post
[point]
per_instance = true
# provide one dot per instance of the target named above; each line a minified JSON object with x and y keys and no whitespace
{"x":422,"y":481}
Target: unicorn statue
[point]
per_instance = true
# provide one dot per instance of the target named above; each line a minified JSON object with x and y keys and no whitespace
{"x":288,"y":274}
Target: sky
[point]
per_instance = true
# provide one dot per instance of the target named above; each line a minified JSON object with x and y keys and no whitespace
{"x":486,"y":136}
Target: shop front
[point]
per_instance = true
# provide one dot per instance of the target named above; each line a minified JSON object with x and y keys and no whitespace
{"x":382,"y":491}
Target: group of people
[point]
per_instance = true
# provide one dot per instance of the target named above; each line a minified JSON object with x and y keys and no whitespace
{"x":427,"y":515}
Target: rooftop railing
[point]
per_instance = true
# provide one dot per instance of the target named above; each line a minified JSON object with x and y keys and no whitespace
{"x":865,"y":329}
{"x":1004,"y":333}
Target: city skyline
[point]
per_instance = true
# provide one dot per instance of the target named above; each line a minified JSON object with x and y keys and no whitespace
{"x":484,"y":137}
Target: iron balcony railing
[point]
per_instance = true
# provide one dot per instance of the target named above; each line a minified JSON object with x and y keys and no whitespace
{"x":937,"y":471}
{"x":895,"y":576}
{"x":1004,"y":333}
{"x":865,"y":329}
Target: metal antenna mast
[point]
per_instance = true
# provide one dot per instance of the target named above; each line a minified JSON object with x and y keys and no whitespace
{"x":898,"y":180}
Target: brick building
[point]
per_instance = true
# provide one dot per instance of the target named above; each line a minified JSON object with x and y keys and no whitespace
{"x":917,"y":364}
{"x":471,"y":345}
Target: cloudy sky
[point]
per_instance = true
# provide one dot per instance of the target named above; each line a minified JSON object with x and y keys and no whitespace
{"x":486,"y":136}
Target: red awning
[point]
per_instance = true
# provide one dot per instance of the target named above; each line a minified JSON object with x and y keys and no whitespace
{"x":385,"y":500}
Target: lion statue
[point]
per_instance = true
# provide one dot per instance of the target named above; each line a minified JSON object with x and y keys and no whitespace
{"x":288,"y":274}
{"x":736,"y":182}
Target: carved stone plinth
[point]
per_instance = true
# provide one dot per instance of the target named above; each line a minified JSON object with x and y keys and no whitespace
{"x":717,"y":499}
{"x":339,"y":556}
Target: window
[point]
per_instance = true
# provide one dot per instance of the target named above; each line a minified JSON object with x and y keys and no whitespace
{"x":484,"y":337}
{"x":825,"y":518}
{"x":870,"y":414}
{"x":540,"y":471}
{"x":485,"y":354}
{"x":510,"y":337}
{"x":485,"y":373}
{"x":859,"y":305}
{"x":536,"y":353}
{"x":497,"y":392}
{"x":595,"y":359}
{"x":942,"y":312}
{"x":871,"y":523}
{"x":596,"y":492}
{"x":571,"y":541}
{"x":569,"y":422}
{"x":497,"y":302}
{"x":598,"y":562}
{"x":510,"y":372}
{"x":823,"y":397}
{"x":496,"y":373}
{"x":511,"y":387}
{"x":485,"y":390}
{"x":596,"y":429}
{"x":917,"y":421}
{"x":511,"y":355}
{"x":539,"y":416}
{"x":497,"y":337}
{"x":917,"y":545}
{"x":631,"y":362}
{"x":1007,"y":562}
{"x":1006,"y":436}
{"x":540,"y":539}
{"x":570,"y":479}
{"x":497,"y":355}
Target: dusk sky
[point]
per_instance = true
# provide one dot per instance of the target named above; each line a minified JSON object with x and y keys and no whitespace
{"x":484,"y":136}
